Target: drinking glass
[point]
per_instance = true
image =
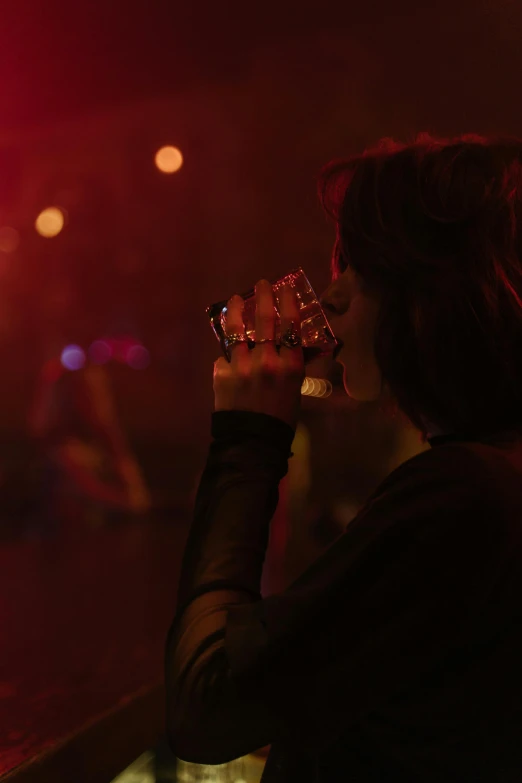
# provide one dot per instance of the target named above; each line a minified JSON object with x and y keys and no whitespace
{"x":317,"y":336}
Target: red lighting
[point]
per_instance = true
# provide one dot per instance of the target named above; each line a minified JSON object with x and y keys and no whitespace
{"x":138,"y":357}
{"x":9,"y":239}
{"x":100,"y":352}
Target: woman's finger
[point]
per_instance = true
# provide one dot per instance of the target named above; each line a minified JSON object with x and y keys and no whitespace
{"x":235,"y":328}
{"x":290,"y":326}
{"x":265,"y":317}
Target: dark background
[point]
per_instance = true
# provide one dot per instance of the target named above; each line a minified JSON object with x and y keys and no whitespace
{"x":444,"y":65}
{"x":258,"y":98}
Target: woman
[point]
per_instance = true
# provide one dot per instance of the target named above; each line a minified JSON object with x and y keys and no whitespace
{"x":395,"y":656}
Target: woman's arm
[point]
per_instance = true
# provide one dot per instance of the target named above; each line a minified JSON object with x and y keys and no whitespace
{"x":384,"y":605}
{"x":222,"y":567}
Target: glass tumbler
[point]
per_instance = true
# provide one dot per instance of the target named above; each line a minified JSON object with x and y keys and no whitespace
{"x":317,"y":336}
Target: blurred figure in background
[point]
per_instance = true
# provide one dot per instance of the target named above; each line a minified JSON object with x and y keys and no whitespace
{"x":90,"y":470}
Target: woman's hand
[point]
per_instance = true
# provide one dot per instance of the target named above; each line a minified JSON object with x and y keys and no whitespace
{"x":262,"y":380}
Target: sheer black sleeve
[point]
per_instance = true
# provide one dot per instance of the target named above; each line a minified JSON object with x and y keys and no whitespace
{"x":386,"y":603}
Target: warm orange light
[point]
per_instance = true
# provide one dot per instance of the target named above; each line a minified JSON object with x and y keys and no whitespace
{"x":316,"y":387}
{"x":169,"y":159}
{"x":50,"y":222}
{"x":9,"y":239}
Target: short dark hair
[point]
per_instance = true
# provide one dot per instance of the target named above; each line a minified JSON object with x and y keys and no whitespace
{"x":435,"y":227}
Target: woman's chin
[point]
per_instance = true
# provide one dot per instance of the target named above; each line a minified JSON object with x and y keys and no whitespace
{"x":355,"y":397}
{"x":363,"y":392}
{"x":350,"y":392}
{"x":360,"y":395}
{"x":349,"y":389}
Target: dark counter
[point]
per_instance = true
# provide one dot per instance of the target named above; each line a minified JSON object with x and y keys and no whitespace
{"x":84,"y":617}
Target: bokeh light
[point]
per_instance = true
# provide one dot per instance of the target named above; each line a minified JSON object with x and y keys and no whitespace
{"x":316,"y":387}
{"x":169,"y":159}
{"x":100,"y":352}
{"x":138,"y":357}
{"x":327,"y":389}
{"x":50,"y":222}
{"x":9,"y":239}
{"x":73,"y":357}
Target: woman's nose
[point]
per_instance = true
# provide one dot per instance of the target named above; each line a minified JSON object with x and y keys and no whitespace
{"x":326,"y":305}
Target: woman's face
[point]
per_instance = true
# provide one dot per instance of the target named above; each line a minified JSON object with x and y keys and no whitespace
{"x":353,"y":313}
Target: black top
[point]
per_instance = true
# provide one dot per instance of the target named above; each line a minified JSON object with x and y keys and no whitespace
{"x":397,"y":656}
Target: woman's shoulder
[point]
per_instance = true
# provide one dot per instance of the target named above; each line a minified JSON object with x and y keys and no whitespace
{"x":463,"y":474}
